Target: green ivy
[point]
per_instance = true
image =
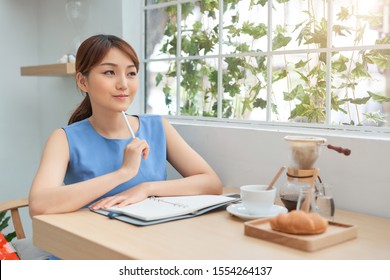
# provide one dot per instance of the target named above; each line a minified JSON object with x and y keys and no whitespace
{"x":199,"y":78}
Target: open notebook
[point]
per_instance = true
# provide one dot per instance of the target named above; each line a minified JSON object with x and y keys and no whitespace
{"x":155,"y":210}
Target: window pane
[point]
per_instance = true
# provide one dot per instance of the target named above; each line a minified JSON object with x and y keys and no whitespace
{"x":299,"y":24}
{"x":161,"y":32}
{"x":244,"y":87}
{"x":299,"y":87}
{"x":161,"y":88}
{"x":359,"y":22}
{"x":245,"y":27}
{"x":199,"y":28}
{"x":360,"y":80}
{"x":198,"y":88}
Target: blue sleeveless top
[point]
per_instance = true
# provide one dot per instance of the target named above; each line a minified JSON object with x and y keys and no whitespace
{"x":92,"y":155}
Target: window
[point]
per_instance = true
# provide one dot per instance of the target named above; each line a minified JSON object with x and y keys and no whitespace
{"x":281,"y":61}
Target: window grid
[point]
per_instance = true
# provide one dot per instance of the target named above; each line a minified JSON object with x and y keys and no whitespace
{"x":269,"y":53}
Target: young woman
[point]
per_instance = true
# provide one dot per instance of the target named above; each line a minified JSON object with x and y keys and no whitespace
{"x":94,"y":161}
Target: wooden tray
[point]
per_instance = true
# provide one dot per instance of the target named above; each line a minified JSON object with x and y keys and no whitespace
{"x":336,"y":233}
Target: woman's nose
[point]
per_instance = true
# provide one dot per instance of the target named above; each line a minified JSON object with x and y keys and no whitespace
{"x":121,"y":82}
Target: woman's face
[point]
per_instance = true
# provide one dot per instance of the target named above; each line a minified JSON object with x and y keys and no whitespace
{"x":112,"y":84}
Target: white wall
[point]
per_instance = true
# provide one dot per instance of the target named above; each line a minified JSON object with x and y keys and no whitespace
{"x":59,"y":96}
{"x":253,"y":155}
{"x":20,"y":126}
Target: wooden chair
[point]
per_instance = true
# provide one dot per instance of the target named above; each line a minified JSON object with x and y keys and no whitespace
{"x":23,"y":246}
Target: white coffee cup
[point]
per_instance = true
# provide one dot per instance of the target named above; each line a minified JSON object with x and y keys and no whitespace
{"x":257,"y":199}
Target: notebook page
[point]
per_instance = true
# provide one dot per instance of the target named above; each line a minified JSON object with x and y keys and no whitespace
{"x":164,"y":207}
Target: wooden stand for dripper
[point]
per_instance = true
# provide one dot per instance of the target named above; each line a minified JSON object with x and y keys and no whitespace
{"x":302,"y":175}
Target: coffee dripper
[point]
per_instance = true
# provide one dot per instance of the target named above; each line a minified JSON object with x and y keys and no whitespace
{"x":303,"y":153}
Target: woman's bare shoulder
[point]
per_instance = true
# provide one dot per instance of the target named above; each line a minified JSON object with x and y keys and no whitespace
{"x":57,"y":138}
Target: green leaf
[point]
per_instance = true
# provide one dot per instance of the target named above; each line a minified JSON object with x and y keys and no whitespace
{"x":247,"y":105}
{"x":279,"y":75}
{"x":167,"y":93}
{"x":360,"y":71}
{"x":340,"y":64}
{"x":2,"y":215}
{"x":4,"y":223}
{"x":262,"y":2}
{"x":159,"y":78}
{"x":301,"y":63}
{"x":303,"y":77}
{"x":170,"y":29}
{"x":319,"y":36}
{"x":336,"y":104}
{"x":384,"y":40}
{"x":261,"y":63}
{"x":260,"y":103}
{"x":298,"y":111}
{"x":378,"y":98}
{"x":344,"y":14}
{"x":297,"y":93}
{"x":274,"y":108}
{"x":359,"y":101}
{"x":375,"y":117}
{"x":243,"y":47}
{"x":304,"y":34}
{"x":280,"y":41}
{"x":341,"y":30}
{"x":380,"y":61}
{"x":10,"y":236}
{"x":256,"y":31}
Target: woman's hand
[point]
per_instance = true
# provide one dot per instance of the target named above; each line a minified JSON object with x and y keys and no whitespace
{"x":132,"y":157}
{"x":130,"y":196}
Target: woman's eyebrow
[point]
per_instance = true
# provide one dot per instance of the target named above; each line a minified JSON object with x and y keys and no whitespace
{"x":115,"y":65}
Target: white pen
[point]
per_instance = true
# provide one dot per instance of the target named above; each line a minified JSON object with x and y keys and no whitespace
{"x":128,"y":124}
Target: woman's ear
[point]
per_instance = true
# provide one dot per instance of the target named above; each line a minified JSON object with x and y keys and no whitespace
{"x":81,"y":82}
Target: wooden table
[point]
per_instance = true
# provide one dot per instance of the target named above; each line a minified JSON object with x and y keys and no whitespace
{"x":217,"y":235}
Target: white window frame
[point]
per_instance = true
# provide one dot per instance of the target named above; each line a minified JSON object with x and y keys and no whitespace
{"x":366,"y":132}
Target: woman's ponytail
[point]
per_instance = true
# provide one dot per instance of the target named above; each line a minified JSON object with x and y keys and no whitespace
{"x":83,"y":111}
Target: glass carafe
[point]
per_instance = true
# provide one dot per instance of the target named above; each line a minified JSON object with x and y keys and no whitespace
{"x":296,"y":180}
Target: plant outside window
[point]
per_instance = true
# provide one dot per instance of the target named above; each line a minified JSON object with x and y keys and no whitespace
{"x":309,"y":61}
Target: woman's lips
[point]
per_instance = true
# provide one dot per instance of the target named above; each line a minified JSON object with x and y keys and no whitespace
{"x":121,"y":96}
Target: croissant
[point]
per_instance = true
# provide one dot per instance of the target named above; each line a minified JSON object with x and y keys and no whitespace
{"x":299,"y":222}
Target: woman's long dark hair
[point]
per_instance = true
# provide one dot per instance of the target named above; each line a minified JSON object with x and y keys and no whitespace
{"x":90,"y":53}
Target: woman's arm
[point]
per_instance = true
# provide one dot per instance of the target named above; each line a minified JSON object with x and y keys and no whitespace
{"x":198,"y":176}
{"x":49,"y":195}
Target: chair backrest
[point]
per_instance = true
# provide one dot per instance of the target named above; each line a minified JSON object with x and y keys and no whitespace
{"x":23,"y":246}
{"x":13,"y":206}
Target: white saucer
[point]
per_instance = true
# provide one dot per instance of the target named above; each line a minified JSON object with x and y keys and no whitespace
{"x":240,"y":211}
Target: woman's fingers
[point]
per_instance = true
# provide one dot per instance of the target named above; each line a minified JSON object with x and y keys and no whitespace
{"x":139,"y":145}
{"x":107,"y":202}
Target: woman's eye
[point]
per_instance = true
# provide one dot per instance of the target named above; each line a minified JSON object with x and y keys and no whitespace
{"x":109,"y":72}
{"x":132,"y":74}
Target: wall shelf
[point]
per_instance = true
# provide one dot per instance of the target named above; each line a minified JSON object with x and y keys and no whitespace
{"x":59,"y":69}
